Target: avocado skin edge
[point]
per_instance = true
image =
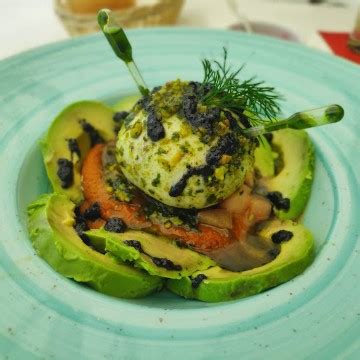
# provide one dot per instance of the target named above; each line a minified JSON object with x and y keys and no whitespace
{"x":101,"y":117}
{"x":69,"y":256}
{"x":300,"y":200}
{"x":251,"y":282}
{"x":300,"y":194}
{"x":152,"y":246}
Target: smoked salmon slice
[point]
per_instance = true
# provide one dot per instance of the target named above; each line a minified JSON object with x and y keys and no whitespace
{"x":204,"y":238}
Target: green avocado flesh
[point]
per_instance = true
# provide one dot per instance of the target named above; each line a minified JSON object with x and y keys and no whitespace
{"x":67,"y":126}
{"x":112,"y":264}
{"x":264,"y":159}
{"x":152,"y":246}
{"x":223,"y":285}
{"x":51,"y":220}
{"x":126,"y":103}
{"x":295,"y":178}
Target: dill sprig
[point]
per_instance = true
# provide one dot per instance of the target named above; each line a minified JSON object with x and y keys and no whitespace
{"x":223,"y":88}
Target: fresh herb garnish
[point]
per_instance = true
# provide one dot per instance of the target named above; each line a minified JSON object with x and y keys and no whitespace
{"x":223,"y":88}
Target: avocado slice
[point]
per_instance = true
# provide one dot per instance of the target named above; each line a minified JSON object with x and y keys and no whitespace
{"x":264,"y":160}
{"x":295,"y":178}
{"x":50,"y":224}
{"x":222,"y":285}
{"x":156,"y":254}
{"x":68,"y":126}
{"x":126,"y":103}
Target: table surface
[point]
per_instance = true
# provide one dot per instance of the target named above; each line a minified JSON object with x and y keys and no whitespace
{"x":25,"y":24}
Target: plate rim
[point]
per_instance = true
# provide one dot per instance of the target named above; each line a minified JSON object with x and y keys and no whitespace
{"x":85,"y":39}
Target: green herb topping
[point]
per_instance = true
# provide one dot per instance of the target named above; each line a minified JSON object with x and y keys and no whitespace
{"x":223,"y":88}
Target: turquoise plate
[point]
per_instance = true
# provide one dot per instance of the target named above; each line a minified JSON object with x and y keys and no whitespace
{"x":45,"y":316}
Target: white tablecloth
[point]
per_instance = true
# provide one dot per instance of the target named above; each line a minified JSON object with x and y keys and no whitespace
{"x":25,"y":24}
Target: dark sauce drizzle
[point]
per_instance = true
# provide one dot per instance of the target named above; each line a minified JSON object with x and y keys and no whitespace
{"x":93,"y":212}
{"x":94,"y":136}
{"x":160,"y":262}
{"x":119,"y":116}
{"x":279,"y":202}
{"x":74,"y":148}
{"x":165,"y":263}
{"x":65,"y":172}
{"x":116,"y":225}
{"x":197,"y":120}
{"x":227,"y":145}
{"x":135,"y":244}
{"x":80,"y":226}
{"x":197,"y":280}
{"x":281,"y":235}
{"x":187,"y":216}
{"x":155,"y":129}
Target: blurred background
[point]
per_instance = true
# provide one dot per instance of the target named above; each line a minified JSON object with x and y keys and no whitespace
{"x":328,"y":25}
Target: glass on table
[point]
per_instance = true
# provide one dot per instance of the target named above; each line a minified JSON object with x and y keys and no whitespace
{"x":259,"y":27}
{"x":354,"y":39}
{"x":93,"y":6}
{"x":80,"y":16}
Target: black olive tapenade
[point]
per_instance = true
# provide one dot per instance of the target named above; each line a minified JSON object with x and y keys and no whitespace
{"x":205,"y":120}
{"x":187,"y":216}
{"x":134,"y":243}
{"x":65,"y":172}
{"x":165,"y":263}
{"x":227,"y":145}
{"x":155,"y":129}
{"x":116,"y":225}
{"x":74,"y":148}
{"x":197,"y":280}
{"x":94,"y":136}
{"x":281,"y":235}
{"x":81,"y":226}
{"x":93,"y":212}
{"x":203,"y":170}
{"x":119,"y":116}
{"x":278,"y":200}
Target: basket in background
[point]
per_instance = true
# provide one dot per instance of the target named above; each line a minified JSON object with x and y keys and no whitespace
{"x":161,"y":12}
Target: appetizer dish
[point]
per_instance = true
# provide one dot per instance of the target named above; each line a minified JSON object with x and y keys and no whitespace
{"x":193,"y":186}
